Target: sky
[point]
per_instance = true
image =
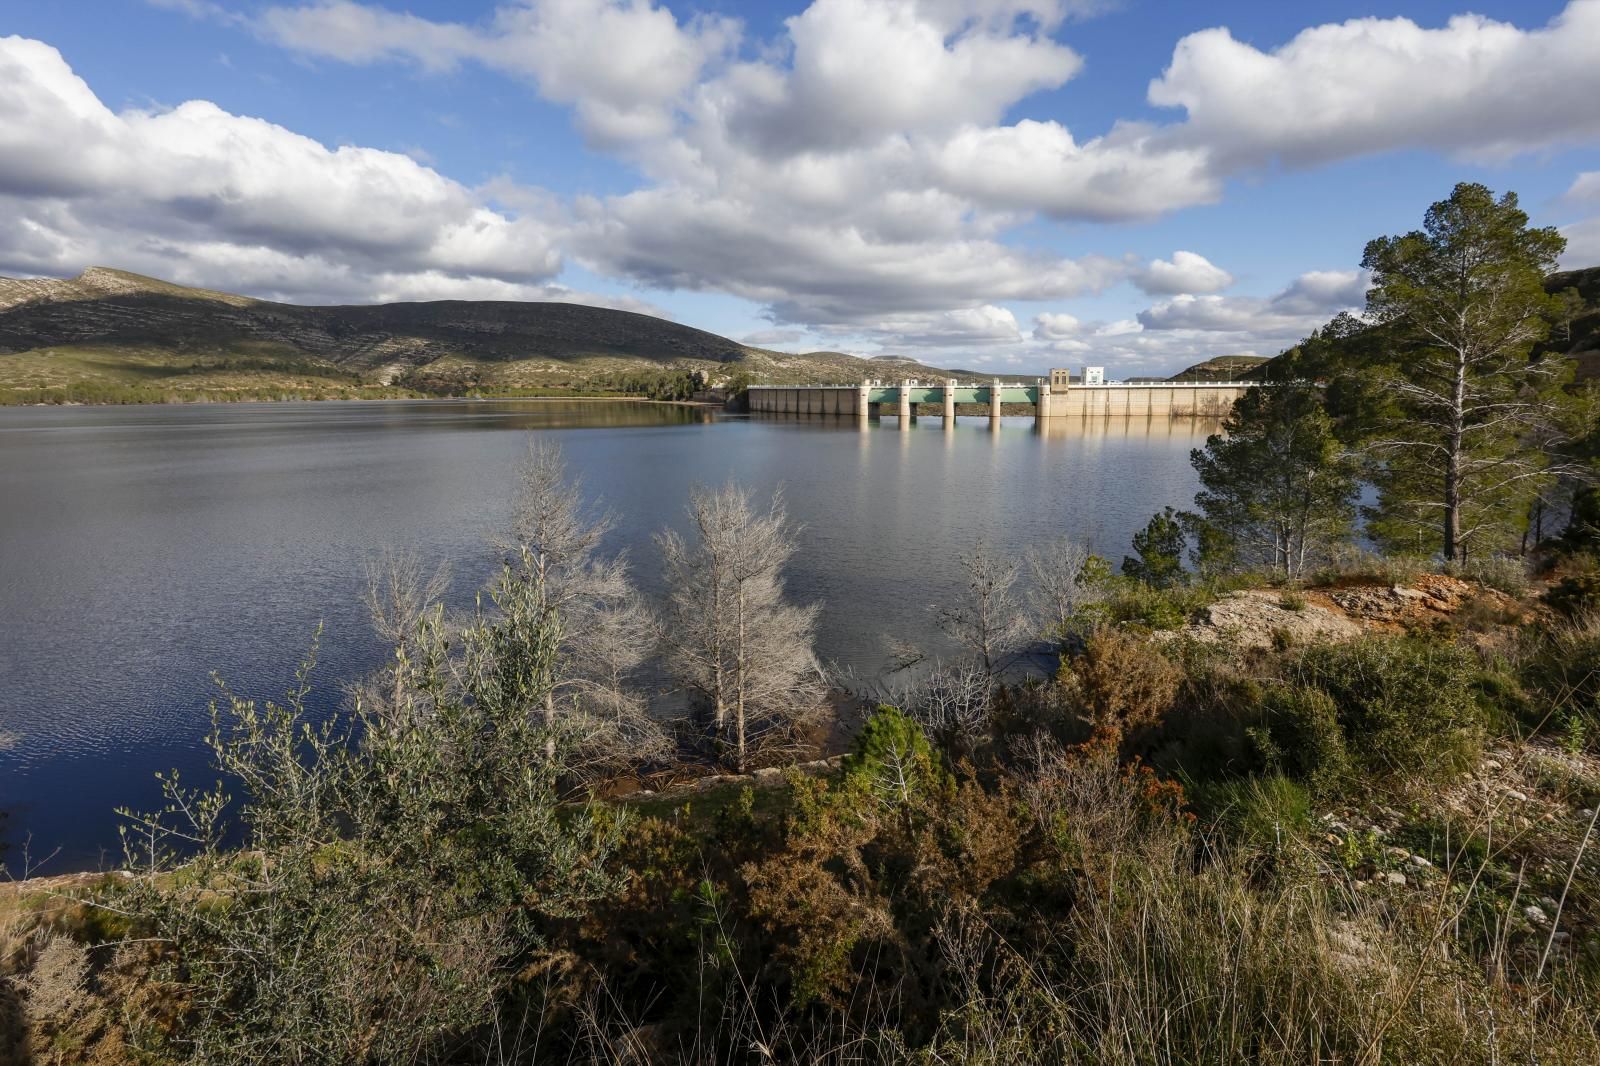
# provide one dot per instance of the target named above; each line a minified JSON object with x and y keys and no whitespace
{"x":993,"y":184}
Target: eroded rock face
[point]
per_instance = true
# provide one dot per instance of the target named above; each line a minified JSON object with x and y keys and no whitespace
{"x":1433,"y":594}
{"x":1257,"y":618}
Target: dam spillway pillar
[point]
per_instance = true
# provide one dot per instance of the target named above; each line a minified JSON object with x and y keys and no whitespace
{"x":861,"y":405}
{"x":1042,"y":410}
{"x":905,"y":405}
{"x":949,"y":403}
{"x":994,"y":398}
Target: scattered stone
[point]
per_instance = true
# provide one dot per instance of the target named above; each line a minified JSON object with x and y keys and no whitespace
{"x":1420,"y":862}
{"x":1394,"y":877}
{"x":1397,"y":853}
{"x":1535,"y":914}
{"x":1520,"y":797}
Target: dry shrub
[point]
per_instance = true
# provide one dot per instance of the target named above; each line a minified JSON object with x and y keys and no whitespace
{"x":1121,"y":683}
{"x":816,"y":898}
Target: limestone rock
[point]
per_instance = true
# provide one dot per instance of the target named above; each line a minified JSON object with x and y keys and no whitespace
{"x":1250,"y":619}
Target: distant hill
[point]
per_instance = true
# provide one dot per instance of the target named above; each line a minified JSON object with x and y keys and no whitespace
{"x":1220,"y":368}
{"x":1579,"y":338}
{"x":118,"y":327}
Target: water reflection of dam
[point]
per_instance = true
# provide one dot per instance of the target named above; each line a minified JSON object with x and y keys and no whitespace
{"x":1052,"y":400}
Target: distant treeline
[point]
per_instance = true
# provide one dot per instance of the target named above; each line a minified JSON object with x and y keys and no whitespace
{"x":333,"y":385}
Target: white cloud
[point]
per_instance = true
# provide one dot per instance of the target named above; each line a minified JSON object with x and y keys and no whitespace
{"x":622,"y":64}
{"x":1038,"y":166}
{"x":1053,"y":326}
{"x":825,"y":274}
{"x":1583,"y":244}
{"x":1323,"y":292}
{"x":1120,"y":328}
{"x":1585,"y":188}
{"x":1476,"y":88}
{"x":196,"y":192}
{"x":964,"y":327}
{"x":1307,"y":303}
{"x":862,"y":70}
{"x":1186,"y":272}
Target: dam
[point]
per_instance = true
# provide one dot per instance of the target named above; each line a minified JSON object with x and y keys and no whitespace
{"x":1055,"y":397}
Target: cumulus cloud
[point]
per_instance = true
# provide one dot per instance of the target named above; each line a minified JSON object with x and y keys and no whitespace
{"x":861,"y":70}
{"x":1130,"y":173}
{"x":1053,"y":326}
{"x":1475,"y":87}
{"x":1186,"y":272}
{"x":1307,"y":303}
{"x":1323,"y":292}
{"x":965,"y":327}
{"x":860,"y":167}
{"x":194,"y":190}
{"x":622,"y":64}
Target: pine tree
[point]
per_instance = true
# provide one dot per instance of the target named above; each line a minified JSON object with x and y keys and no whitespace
{"x":1461,"y":441}
{"x":1277,"y":488}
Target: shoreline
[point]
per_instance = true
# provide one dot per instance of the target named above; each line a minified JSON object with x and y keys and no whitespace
{"x":212,"y":401}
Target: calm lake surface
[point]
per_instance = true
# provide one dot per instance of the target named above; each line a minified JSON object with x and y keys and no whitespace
{"x":142,"y":548}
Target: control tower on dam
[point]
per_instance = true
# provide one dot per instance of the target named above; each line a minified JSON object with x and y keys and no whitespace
{"x":1055,"y":397}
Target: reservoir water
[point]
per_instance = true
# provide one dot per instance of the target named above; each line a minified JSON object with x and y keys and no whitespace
{"x":143,"y":548}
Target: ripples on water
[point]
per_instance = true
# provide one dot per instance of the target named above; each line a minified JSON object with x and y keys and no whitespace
{"x":142,"y":548}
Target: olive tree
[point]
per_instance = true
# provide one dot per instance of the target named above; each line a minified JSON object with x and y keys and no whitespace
{"x":382,"y":877}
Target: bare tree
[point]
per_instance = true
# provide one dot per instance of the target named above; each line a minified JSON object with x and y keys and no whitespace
{"x":606,"y":628}
{"x":1057,"y":589}
{"x":400,"y":591}
{"x":730,"y":634}
{"x":988,"y":619}
{"x":952,"y":702}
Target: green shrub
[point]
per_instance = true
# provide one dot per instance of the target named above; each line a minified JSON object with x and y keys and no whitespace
{"x":1292,"y":600}
{"x":1128,"y":602}
{"x":1406,"y":705}
{"x":893,"y":761}
{"x":1576,"y":595}
{"x":1306,"y":737}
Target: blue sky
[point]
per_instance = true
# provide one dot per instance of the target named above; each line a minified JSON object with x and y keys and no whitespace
{"x":1011,"y":184}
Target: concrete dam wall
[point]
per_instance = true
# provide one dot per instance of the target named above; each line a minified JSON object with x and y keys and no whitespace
{"x":909,"y":399}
